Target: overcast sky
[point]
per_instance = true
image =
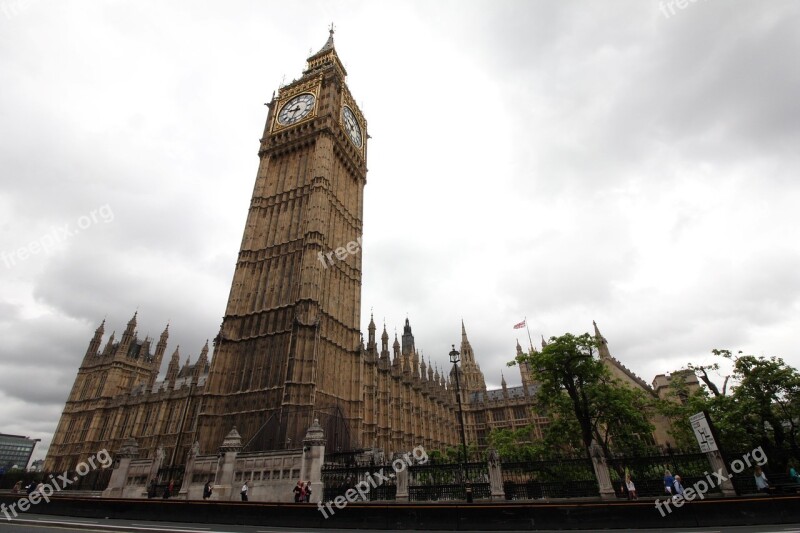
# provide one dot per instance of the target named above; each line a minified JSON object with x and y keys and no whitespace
{"x":566,"y":161}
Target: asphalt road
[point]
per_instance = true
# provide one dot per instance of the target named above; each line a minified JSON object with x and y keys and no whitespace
{"x":51,"y":524}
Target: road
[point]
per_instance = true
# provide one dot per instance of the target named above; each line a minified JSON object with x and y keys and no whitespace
{"x":51,"y":524}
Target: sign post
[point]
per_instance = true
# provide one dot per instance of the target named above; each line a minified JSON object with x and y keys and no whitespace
{"x":708,"y":445}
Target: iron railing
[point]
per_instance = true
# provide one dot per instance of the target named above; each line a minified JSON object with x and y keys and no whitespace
{"x":557,"y":478}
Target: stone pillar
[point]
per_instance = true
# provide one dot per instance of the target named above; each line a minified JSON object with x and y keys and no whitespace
{"x":601,"y":472}
{"x":495,"y":476}
{"x":188,"y":472}
{"x":156,"y":466}
{"x":231,"y":446}
{"x":313,"y":459}
{"x":402,"y":485}
{"x":718,"y":465}
{"x":122,"y":463}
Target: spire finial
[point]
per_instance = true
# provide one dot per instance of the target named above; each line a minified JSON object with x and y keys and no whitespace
{"x":331,"y":29}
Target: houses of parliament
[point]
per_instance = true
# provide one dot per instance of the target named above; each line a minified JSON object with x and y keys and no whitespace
{"x":290,"y":348}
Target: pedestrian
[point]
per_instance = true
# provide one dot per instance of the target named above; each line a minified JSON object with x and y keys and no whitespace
{"x":30,"y":487}
{"x":298,"y":491}
{"x":762,"y":483}
{"x":244,"y":492}
{"x":793,"y":475}
{"x":17,"y":487}
{"x":168,"y":491}
{"x":207,"y":490}
{"x":631,"y":488}
{"x":151,"y":491}
{"x":669,"y":481}
{"x":307,"y":492}
{"x":677,"y":486}
{"x":39,"y":487}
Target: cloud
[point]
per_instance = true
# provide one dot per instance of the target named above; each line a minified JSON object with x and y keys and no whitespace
{"x":565,"y":161}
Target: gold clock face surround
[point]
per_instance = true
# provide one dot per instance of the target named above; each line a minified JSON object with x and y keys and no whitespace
{"x":352,"y":127}
{"x":296,"y":109}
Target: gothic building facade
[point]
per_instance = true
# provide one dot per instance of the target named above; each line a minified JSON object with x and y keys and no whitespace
{"x":117,"y":394}
{"x":289,"y":349}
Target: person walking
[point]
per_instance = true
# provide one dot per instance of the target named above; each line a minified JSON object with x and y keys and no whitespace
{"x":762,"y":483}
{"x":244,"y":492}
{"x":631,"y":488}
{"x":307,"y":492}
{"x":151,"y":490}
{"x":207,"y":490}
{"x":677,"y":486}
{"x":669,"y":481}
{"x":17,"y":487}
{"x":793,"y":475}
{"x":298,"y":491}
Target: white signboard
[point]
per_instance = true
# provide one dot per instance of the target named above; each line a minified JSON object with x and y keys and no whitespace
{"x":703,"y":433}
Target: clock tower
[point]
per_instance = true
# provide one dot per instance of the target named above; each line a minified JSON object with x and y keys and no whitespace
{"x":289,"y":348}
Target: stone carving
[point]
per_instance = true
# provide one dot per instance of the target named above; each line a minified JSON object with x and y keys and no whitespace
{"x":315,"y":436}
{"x":232,"y":442}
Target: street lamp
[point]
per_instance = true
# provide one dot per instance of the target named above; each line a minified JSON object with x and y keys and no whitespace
{"x":467,"y":485}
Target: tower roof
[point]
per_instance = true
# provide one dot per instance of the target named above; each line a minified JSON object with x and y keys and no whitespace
{"x":326,"y":54}
{"x":329,"y":43}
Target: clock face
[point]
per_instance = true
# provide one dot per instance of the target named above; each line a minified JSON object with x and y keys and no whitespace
{"x":296,"y":109}
{"x":351,"y":126}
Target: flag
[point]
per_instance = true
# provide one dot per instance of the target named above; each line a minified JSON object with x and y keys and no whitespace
{"x":520,"y":325}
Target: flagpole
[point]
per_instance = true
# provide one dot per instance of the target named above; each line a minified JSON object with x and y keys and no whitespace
{"x":529,"y":333}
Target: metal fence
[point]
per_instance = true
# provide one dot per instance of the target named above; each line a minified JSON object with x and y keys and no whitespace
{"x":557,"y":478}
{"x":338,"y":479}
{"x":647,"y":472}
{"x":447,"y":481}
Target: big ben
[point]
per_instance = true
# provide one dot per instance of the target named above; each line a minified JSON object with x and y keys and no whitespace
{"x":289,"y":347}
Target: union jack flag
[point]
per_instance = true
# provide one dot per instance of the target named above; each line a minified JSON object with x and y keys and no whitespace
{"x":520,"y":325}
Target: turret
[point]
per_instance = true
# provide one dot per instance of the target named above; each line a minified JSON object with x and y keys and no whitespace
{"x":161,"y":347}
{"x":470,"y":373}
{"x":174,"y":367}
{"x":524,"y":371}
{"x":128,"y":335}
{"x":109,"y":345}
{"x":408,"y":339}
{"x":371,"y":345}
{"x":396,"y":348}
{"x":94,"y":344}
{"x":202,"y":363}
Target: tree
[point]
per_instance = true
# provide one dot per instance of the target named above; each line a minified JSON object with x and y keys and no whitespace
{"x":758,"y":404}
{"x":516,"y":444}
{"x":585,"y":402}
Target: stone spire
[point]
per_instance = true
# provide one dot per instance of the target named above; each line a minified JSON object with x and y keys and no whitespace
{"x":129,"y":334}
{"x":325,"y":57}
{"x":408,"y":339}
{"x":371,"y":345}
{"x":602,"y":343}
{"x":94,"y":344}
{"x":202,"y":363}
{"x":174,"y":366}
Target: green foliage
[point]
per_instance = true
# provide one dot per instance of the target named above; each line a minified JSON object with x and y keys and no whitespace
{"x":516,"y":444}
{"x":454,"y":454}
{"x":584,"y":401}
{"x":760,"y":408}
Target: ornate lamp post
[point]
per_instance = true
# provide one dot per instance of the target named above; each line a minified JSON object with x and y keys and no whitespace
{"x":467,"y":485}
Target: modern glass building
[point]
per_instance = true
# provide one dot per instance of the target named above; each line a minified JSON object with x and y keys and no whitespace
{"x":15,"y":450}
